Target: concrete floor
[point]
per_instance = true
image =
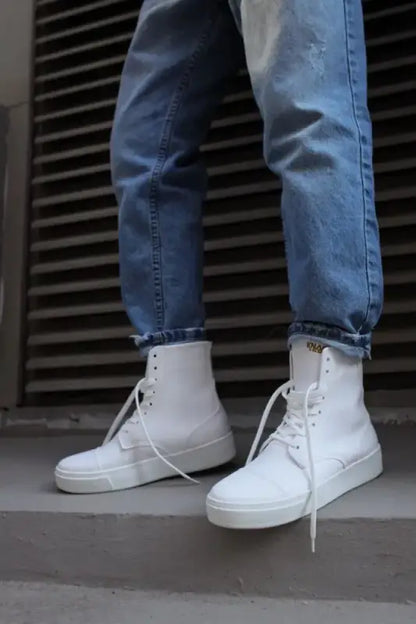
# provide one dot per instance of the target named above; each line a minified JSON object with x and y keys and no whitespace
{"x":157,"y":538}
{"x":27,"y":603}
{"x":26,"y":483}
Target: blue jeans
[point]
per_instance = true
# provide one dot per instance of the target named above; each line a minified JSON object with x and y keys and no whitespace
{"x":306,"y":60}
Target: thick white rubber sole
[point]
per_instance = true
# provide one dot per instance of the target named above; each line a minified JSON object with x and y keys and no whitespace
{"x":266,"y":515}
{"x":203,"y":457}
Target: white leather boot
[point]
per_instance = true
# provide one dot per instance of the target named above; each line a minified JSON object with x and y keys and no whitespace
{"x":325,"y":446}
{"x":179,"y":427}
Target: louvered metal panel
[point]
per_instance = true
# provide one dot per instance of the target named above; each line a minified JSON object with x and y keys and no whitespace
{"x":77,"y":348}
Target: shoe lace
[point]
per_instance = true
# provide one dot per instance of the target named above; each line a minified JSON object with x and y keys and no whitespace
{"x":144,"y":386}
{"x":300,"y":406}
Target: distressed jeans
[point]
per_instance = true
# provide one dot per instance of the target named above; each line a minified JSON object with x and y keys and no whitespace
{"x":307,"y":65}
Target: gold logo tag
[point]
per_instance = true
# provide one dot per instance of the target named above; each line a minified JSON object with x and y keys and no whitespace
{"x":315,"y":347}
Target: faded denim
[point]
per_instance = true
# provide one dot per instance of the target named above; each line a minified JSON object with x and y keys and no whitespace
{"x":307,"y":64}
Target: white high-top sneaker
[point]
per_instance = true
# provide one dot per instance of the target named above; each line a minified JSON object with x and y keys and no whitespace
{"x":179,"y":427}
{"x":325,"y":446}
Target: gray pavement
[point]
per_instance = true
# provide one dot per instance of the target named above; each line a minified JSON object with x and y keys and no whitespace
{"x":24,"y":603}
{"x":157,"y":537}
{"x":26,"y":483}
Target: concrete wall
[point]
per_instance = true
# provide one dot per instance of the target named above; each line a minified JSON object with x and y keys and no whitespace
{"x":16,"y":26}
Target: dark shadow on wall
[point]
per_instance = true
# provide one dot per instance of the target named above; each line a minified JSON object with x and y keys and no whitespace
{"x":4,"y":118}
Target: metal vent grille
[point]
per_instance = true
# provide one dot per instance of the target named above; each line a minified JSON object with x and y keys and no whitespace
{"x":76,"y":328}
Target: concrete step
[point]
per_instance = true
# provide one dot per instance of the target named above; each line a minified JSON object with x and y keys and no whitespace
{"x":157,"y":537}
{"x":24,"y":603}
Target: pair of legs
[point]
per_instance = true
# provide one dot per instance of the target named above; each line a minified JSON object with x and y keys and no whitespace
{"x":308,"y":71}
{"x":306,"y":61}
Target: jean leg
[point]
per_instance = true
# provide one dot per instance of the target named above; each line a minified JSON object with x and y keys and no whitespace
{"x":174,"y":76}
{"x":308,"y":69}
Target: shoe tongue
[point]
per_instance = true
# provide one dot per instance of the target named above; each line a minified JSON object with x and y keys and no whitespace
{"x":306,"y":361}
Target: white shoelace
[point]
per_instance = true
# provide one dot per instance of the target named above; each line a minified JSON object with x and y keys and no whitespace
{"x":145,"y":386}
{"x":295,"y":422}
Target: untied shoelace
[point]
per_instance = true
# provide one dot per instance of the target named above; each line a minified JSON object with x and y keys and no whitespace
{"x":295,"y":422}
{"x":145,"y":387}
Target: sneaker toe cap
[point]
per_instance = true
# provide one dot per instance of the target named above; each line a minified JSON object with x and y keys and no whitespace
{"x":79,"y":463}
{"x":245,"y":487}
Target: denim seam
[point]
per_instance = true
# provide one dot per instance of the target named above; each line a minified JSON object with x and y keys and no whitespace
{"x":349,"y":54}
{"x":320,"y":331}
{"x":170,"y":336}
{"x":158,"y":170}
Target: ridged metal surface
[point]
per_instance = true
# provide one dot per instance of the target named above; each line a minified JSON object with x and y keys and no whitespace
{"x":77,"y":348}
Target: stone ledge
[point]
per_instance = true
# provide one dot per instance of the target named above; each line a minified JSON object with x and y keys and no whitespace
{"x":157,"y":537}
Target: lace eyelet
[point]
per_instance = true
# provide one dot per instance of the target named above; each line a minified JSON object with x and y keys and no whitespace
{"x":298,"y":447}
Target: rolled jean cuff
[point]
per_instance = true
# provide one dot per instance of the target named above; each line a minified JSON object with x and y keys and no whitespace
{"x":168,"y":336}
{"x":354,"y":345}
